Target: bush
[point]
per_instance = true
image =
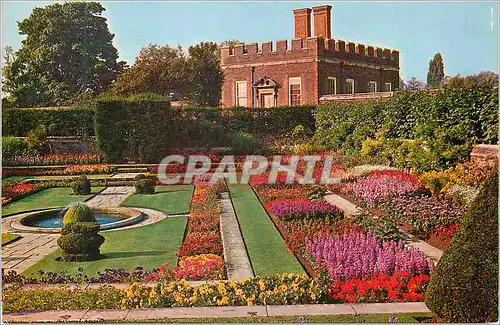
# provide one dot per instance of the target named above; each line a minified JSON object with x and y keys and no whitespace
{"x":140,"y":120}
{"x":74,"y":121}
{"x":78,"y":212}
{"x":80,"y":241}
{"x":464,"y":285}
{"x":139,"y":176}
{"x":244,"y":143}
{"x":12,"y":147}
{"x":145,"y":186}
{"x":81,"y":186}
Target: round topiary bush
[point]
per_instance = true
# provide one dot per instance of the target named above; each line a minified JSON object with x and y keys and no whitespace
{"x":78,"y":213}
{"x":81,"y":186}
{"x":145,"y":186}
{"x":464,"y":285}
{"x":139,"y":176}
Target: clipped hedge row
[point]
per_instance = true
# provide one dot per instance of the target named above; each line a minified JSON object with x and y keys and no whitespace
{"x":67,"y":121}
{"x":135,"y":125}
{"x":462,"y":113}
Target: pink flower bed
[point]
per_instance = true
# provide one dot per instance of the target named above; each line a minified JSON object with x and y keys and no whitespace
{"x":298,"y":208}
{"x":381,"y":185}
{"x":355,"y":255}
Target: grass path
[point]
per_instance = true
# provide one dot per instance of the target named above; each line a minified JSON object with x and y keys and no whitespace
{"x":48,"y":198}
{"x":266,"y":249}
{"x":174,"y":199}
{"x":149,"y":246}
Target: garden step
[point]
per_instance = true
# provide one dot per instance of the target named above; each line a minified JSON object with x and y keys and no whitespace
{"x":132,"y":170}
{"x":120,"y":183}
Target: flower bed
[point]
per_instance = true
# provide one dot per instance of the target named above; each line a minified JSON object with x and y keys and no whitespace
{"x":198,"y":267}
{"x":54,"y":159}
{"x":423,"y":213}
{"x":203,"y":229}
{"x":15,"y":191}
{"x":355,"y":255}
{"x":66,"y":171}
{"x":471,"y":174}
{"x":381,"y":185}
{"x":398,"y":287}
{"x":300,"y":208}
{"x":280,"y":289}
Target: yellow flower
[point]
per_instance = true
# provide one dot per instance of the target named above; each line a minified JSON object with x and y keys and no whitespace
{"x":262,"y":285}
{"x":250,"y":301}
{"x":153,"y":294}
{"x":313,"y":296}
{"x":223,"y":301}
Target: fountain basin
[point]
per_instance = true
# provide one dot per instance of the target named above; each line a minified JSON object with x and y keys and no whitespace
{"x":50,"y":220}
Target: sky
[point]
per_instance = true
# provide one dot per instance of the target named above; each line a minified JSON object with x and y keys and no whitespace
{"x":465,"y":33}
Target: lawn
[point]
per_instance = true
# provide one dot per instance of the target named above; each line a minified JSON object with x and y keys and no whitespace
{"x":266,"y":249}
{"x":149,"y":246}
{"x":361,"y":318}
{"x":173,"y":199}
{"x":7,"y":238}
{"x":48,"y":198}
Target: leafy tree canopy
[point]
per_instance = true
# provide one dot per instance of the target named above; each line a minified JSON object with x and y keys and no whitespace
{"x":158,"y":69}
{"x":68,"y":53}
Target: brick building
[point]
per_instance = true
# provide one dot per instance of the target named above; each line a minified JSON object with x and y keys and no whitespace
{"x":307,"y":70}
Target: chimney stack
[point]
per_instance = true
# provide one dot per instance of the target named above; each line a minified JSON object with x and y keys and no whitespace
{"x":302,"y":22}
{"x":322,"y":21}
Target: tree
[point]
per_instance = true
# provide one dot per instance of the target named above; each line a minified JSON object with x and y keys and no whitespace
{"x":205,"y":74}
{"x":67,"y":52}
{"x":230,"y":42}
{"x":158,"y":69}
{"x":414,"y":84}
{"x":464,"y":285}
{"x":435,"y":75}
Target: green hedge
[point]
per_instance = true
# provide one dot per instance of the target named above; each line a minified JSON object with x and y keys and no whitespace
{"x":448,"y":121}
{"x":76,"y":121}
{"x":141,"y":121}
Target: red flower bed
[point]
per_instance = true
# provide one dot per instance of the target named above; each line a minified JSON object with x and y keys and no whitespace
{"x":15,"y":191}
{"x":193,"y":268}
{"x":202,"y":223}
{"x":201,"y":243}
{"x":203,"y":227}
{"x":398,"y":287}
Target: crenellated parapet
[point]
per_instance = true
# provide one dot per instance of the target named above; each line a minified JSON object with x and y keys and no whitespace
{"x":311,"y":47}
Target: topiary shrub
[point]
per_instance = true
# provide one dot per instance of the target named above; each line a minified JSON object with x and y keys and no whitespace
{"x":145,"y":186}
{"x":464,"y":285}
{"x":81,"y":186}
{"x":79,"y":239}
{"x":139,"y":176}
{"x":78,"y":213}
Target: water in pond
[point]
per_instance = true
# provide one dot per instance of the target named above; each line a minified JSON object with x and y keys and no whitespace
{"x":57,"y":221}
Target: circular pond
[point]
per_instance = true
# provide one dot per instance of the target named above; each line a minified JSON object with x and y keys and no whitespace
{"x":50,"y":220}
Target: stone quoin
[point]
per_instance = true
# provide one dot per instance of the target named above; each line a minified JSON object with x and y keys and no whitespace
{"x":307,"y":70}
